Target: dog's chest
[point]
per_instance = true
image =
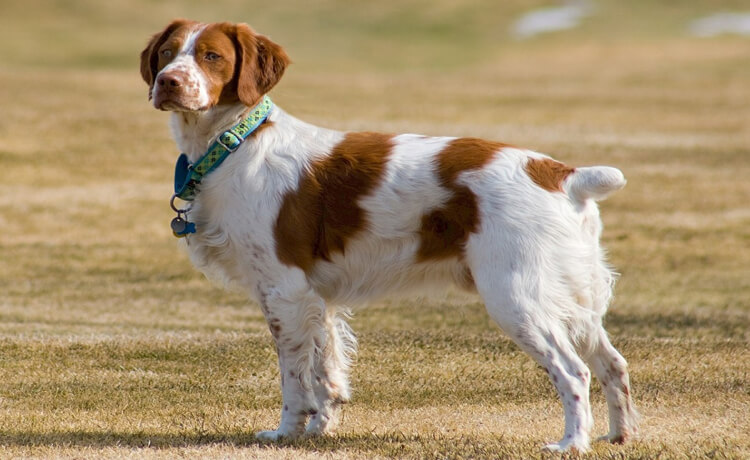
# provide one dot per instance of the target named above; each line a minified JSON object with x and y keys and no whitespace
{"x":234,"y":214}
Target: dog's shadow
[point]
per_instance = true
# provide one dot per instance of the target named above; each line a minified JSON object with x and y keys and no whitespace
{"x":392,"y":444}
{"x":105,"y":438}
{"x":149,"y":439}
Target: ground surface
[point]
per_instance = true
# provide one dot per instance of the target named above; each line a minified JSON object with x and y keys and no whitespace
{"x":111,"y":345}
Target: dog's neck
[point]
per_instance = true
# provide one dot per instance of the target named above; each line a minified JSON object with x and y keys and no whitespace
{"x":195,"y":131}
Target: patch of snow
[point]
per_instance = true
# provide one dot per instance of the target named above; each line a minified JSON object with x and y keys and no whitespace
{"x":721,"y":23}
{"x":544,"y":20}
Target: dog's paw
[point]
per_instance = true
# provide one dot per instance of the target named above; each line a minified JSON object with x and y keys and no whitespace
{"x":571,"y":445}
{"x":321,"y":424}
{"x":316,"y":427}
{"x":614,"y":438}
{"x":272,"y":435}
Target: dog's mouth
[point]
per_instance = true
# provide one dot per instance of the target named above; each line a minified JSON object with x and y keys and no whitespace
{"x":175,"y":101}
{"x":171,"y":104}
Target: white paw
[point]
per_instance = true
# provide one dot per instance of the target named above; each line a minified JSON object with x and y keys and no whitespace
{"x":555,"y":447}
{"x":274,"y":435}
{"x":320,"y":425}
{"x":316,"y":427}
{"x":571,"y":444}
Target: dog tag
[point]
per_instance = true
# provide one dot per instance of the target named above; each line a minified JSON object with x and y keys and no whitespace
{"x":178,"y":225}
{"x":181,"y":228}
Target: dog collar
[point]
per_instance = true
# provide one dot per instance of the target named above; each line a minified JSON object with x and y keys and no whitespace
{"x":188,"y":176}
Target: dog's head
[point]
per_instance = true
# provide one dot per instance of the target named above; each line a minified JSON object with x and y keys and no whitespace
{"x":192,"y":67}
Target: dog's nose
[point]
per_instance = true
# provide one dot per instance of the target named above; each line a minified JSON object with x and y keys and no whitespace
{"x":169,"y":81}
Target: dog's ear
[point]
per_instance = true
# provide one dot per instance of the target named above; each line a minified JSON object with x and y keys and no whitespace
{"x":260,"y":64}
{"x":150,"y":56}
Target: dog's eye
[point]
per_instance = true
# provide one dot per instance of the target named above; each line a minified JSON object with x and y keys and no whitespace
{"x":211,"y":56}
{"x":166,"y":53}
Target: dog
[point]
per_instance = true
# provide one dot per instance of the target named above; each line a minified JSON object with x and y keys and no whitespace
{"x":306,"y":219}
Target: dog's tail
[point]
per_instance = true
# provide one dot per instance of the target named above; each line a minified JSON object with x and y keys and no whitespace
{"x":595,"y":182}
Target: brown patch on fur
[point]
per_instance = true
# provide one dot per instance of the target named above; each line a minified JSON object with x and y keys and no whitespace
{"x":275,"y":327}
{"x":322,"y":214}
{"x":547,"y":173}
{"x":444,"y":231}
{"x":216,"y":54}
{"x":260,"y":65}
{"x":151,"y":59}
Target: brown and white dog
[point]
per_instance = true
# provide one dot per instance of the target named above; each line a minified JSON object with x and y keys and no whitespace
{"x":305,"y":219}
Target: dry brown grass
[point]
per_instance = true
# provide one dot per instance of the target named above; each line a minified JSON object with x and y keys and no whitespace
{"x":111,"y":345}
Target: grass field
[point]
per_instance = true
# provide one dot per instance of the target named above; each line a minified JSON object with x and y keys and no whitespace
{"x":111,"y":345}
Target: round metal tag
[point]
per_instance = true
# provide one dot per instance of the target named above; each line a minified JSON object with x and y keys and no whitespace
{"x":178,"y":225}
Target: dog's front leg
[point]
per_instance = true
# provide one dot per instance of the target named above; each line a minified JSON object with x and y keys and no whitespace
{"x":296,"y":319}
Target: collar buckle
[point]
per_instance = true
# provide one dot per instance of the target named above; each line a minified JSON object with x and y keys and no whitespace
{"x":230,"y":141}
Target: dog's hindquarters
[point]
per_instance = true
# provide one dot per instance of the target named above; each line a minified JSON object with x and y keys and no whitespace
{"x":584,"y":187}
{"x":537,"y":264}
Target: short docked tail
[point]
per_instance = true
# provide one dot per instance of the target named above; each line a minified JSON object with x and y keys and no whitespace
{"x":595,"y":182}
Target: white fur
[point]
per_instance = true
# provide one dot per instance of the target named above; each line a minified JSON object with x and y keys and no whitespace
{"x":535,"y":260}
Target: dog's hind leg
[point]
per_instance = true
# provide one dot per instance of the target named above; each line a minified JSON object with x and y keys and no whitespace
{"x":555,"y":352}
{"x":332,"y":365}
{"x":611,"y":370}
{"x":520,"y":302}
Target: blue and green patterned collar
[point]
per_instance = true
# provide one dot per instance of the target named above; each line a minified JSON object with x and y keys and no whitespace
{"x":188,"y":176}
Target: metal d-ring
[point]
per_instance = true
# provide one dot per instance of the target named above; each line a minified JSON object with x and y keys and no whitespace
{"x":174,"y":208}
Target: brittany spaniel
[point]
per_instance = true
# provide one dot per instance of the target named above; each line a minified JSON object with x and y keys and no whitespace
{"x":306,"y":219}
